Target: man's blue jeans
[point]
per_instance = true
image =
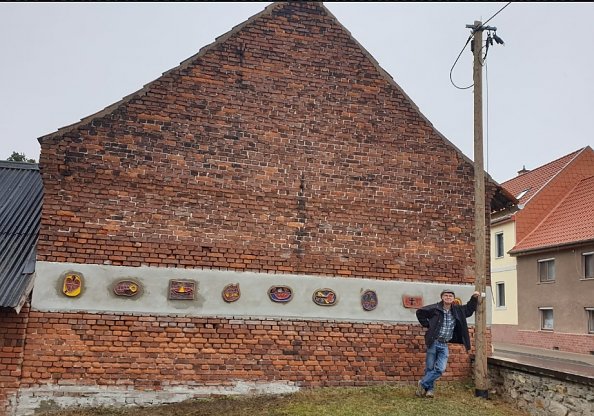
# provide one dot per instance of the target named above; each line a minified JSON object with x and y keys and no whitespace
{"x":436,"y":361}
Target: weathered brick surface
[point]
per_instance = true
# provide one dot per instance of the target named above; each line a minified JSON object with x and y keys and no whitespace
{"x":147,"y":351}
{"x":12,"y":341}
{"x":281,"y":148}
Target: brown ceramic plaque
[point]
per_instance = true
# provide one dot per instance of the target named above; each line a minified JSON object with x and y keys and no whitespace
{"x":231,"y":292}
{"x":182,"y":289}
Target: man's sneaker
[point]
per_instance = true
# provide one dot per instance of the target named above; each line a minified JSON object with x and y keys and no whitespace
{"x":420,"y":392}
{"x":430,"y":394}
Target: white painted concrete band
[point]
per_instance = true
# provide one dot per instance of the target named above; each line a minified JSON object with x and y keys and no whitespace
{"x":98,"y":296}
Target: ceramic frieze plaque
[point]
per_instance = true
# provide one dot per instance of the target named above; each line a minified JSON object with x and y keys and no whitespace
{"x":182,"y":289}
{"x":325,"y":297}
{"x":280,"y":294}
{"x":72,"y":284}
{"x":411,"y":301}
{"x":127,"y":288}
{"x":369,"y":300}
{"x":231,"y":292}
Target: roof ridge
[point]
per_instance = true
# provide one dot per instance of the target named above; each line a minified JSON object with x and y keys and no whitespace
{"x":541,"y":167}
{"x":571,"y":159}
{"x":9,"y":164}
{"x":533,"y":173}
{"x":551,"y":211}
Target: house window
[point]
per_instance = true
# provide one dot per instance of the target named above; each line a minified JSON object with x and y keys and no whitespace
{"x":546,"y":270}
{"x":500,"y":294}
{"x":590,"y":312}
{"x":546,"y":319}
{"x":588,"y":265}
{"x":499,"y":245}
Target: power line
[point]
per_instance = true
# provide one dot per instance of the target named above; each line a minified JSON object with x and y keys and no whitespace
{"x":489,"y":41}
{"x":455,"y":62}
{"x":500,"y":10}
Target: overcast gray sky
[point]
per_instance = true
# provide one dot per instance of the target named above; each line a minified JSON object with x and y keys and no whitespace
{"x":61,"y":62}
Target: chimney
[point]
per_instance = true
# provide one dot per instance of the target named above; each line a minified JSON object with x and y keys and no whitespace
{"x":523,"y":170}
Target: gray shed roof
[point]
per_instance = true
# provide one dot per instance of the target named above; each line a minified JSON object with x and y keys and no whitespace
{"x":21,"y":196}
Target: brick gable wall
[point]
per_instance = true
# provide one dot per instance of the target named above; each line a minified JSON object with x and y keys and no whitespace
{"x":282,"y":149}
{"x":279,"y":149}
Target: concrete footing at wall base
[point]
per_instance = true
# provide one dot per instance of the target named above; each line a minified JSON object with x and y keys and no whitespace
{"x":61,"y":396}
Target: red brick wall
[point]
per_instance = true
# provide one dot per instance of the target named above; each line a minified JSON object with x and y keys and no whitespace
{"x":282,"y":148}
{"x":149,"y":351}
{"x":577,"y":343}
{"x":12,"y":341}
{"x":294,"y":156}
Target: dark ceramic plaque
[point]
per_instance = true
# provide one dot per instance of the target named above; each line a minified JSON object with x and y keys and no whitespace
{"x":280,"y":294}
{"x":325,"y":297}
{"x":369,"y":300}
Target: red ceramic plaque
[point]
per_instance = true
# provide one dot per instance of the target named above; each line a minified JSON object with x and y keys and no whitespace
{"x":414,"y":302}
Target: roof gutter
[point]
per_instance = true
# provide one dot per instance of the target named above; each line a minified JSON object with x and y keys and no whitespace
{"x":544,"y":249}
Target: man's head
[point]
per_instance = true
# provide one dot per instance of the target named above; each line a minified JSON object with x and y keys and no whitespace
{"x":448,"y":296}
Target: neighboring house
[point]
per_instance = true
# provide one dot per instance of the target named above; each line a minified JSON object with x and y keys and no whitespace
{"x":542,"y":257}
{"x":503,"y":274}
{"x":21,"y":194}
{"x":262,"y":218}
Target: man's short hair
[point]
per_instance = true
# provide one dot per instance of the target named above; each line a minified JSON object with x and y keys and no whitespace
{"x":447,"y":291}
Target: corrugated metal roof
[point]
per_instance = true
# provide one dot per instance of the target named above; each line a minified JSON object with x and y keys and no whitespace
{"x":21,"y":196}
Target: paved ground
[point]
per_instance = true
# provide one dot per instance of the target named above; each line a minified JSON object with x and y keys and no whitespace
{"x":567,"y":362}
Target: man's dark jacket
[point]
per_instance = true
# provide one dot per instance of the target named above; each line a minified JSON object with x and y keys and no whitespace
{"x":431,"y":316}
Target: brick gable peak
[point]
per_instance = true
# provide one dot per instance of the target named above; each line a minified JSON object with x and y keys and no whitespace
{"x":279,"y":9}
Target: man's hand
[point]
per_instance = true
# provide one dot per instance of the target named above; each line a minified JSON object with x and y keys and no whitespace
{"x":476,"y":294}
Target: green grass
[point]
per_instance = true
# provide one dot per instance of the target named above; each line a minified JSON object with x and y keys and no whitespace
{"x":454,"y":398}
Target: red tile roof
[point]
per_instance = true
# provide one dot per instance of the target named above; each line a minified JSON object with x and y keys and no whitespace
{"x":571,"y":221}
{"x":536,"y":179}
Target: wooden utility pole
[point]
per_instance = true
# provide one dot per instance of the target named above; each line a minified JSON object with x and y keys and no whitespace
{"x":480,"y":363}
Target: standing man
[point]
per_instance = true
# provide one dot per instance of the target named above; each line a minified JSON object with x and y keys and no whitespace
{"x":445,"y":322}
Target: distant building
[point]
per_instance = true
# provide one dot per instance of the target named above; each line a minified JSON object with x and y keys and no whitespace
{"x":542,"y":257}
